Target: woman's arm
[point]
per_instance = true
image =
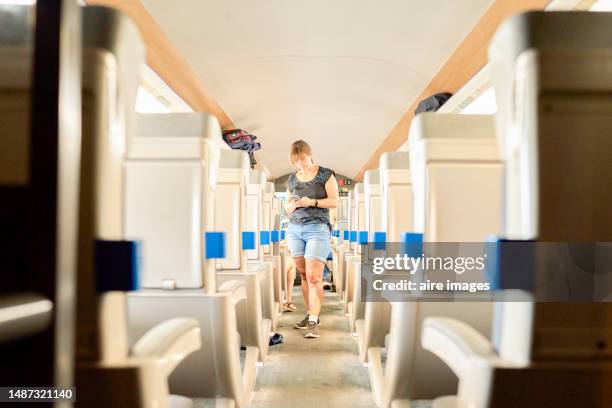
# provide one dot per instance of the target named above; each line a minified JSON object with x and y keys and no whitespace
{"x":331,"y":188}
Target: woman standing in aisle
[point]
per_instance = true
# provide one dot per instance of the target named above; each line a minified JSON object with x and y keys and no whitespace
{"x":312,"y":191}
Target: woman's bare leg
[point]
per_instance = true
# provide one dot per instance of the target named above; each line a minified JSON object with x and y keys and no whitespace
{"x":290,"y":279}
{"x":314,"y":273}
{"x":300,"y":265}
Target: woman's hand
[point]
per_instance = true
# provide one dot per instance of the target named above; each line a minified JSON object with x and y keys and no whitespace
{"x":306,"y":202}
{"x":291,"y":206}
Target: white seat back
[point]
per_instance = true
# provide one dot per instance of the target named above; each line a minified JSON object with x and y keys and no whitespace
{"x":343,"y":217}
{"x":373,"y":203}
{"x":457,"y":177}
{"x":169,"y":191}
{"x":255,"y":211}
{"x":553,"y":87}
{"x":230,"y":216}
{"x":270,"y":207}
{"x":397,"y":195}
{"x":359,"y":214}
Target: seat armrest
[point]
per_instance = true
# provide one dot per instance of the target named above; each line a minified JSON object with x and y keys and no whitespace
{"x":169,"y":342}
{"x":455,"y":342}
{"x":235,"y":289}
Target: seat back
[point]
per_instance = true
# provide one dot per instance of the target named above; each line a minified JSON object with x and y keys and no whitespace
{"x":170,"y":179}
{"x":553,"y":86}
{"x":109,"y":96}
{"x":359,"y":216}
{"x":255,"y":211}
{"x":230,"y":207}
{"x":457,"y":177}
{"x":373,"y":203}
{"x":270,"y":207}
{"x":343,"y":217}
{"x":397,"y":194}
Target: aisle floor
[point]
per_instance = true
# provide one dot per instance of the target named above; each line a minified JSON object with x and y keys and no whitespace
{"x":323,"y":372}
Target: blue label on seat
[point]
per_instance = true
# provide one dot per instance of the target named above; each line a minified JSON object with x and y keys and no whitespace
{"x":248,"y":240}
{"x":511,"y":264}
{"x":380,"y":241}
{"x":264,"y":237}
{"x":336,"y":233}
{"x":353,"y":236}
{"x":274,"y":235}
{"x":215,"y":245}
{"x":116,"y":265}
{"x":283,"y":233}
{"x":346,"y":235}
{"x":362,"y":238}
{"x":412,"y":244}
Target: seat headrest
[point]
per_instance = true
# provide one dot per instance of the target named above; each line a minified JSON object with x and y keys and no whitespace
{"x":234,"y":164}
{"x":258,"y":177}
{"x":270,"y":189}
{"x":371,"y":177}
{"x":451,"y":136}
{"x":579,"y":30}
{"x":358,"y":191}
{"x":394,"y":161}
{"x":176,"y":136}
{"x":451,"y":127}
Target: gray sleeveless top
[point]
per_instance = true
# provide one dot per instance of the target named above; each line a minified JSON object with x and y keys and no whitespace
{"x":314,"y":188}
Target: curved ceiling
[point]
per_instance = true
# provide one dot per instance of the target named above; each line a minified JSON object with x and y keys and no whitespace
{"x":338,"y":74}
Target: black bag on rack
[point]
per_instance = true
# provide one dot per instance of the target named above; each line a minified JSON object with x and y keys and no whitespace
{"x":241,"y":140}
{"x":433,"y":103}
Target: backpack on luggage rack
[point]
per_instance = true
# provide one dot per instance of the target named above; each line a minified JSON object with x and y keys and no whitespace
{"x":433,"y":102}
{"x":241,"y":140}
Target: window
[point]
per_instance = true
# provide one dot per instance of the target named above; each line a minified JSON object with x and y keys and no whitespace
{"x":147,"y":103}
{"x":484,"y":103}
{"x":602,"y":5}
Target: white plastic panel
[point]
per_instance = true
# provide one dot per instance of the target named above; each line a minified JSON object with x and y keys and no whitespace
{"x":374,"y":215}
{"x":397,"y":195}
{"x":163,"y":202}
{"x":463,"y":201}
{"x":228,"y":219}
{"x":253,"y":218}
{"x":398,"y":215}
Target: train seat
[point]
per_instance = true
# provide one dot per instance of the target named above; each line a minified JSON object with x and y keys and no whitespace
{"x":396,"y":217}
{"x":255,"y":221}
{"x":271,"y":251}
{"x":457,"y":174}
{"x":373,"y":224}
{"x":351,"y":260}
{"x":170,"y":180}
{"x":110,"y":74}
{"x":231,"y":217}
{"x":553,"y":128}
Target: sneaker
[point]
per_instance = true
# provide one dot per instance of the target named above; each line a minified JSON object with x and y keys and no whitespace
{"x":289,"y":307}
{"x":303,"y":324}
{"x":312,"y":331}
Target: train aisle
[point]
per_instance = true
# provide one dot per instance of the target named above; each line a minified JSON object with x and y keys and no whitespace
{"x":323,"y":372}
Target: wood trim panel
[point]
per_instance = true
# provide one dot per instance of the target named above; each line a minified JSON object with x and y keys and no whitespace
{"x":165,"y":59}
{"x":465,"y":62}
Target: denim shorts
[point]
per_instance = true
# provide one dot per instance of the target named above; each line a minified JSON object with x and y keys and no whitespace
{"x":309,"y":240}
